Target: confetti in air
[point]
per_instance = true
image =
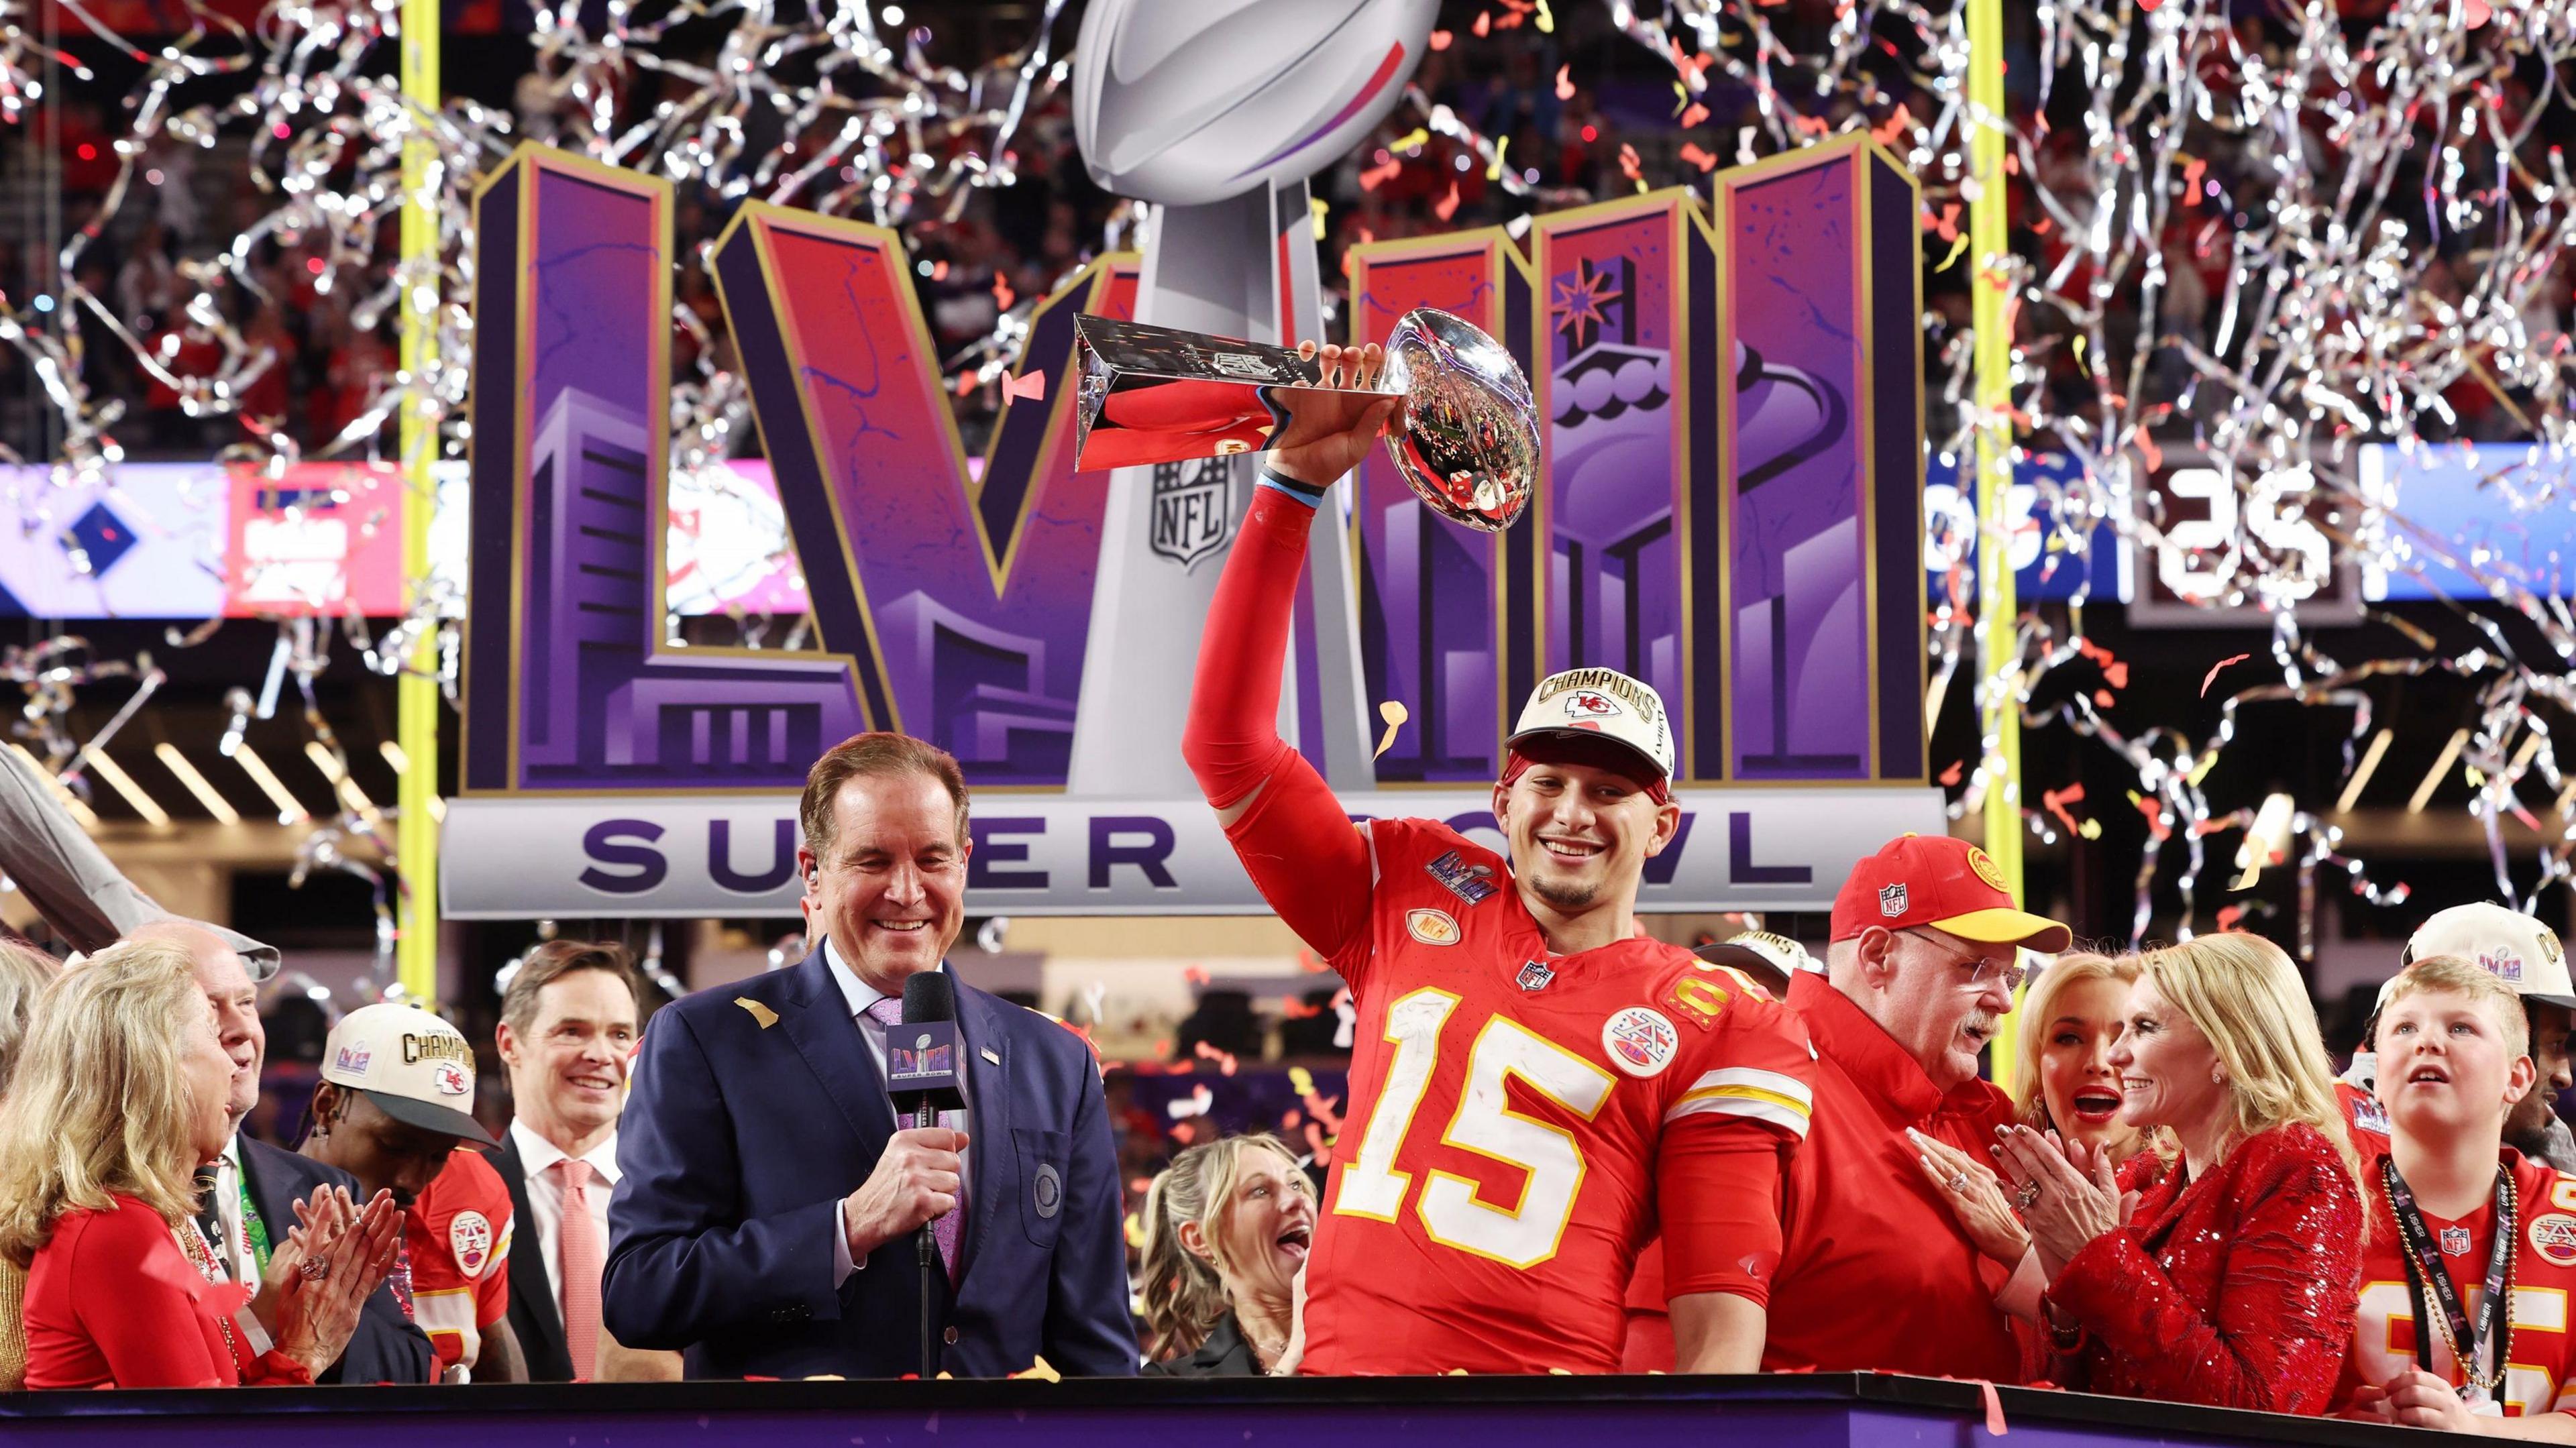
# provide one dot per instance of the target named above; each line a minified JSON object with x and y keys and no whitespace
{"x":1394,"y":713}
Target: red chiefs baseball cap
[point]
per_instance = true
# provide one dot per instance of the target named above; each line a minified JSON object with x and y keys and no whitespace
{"x":1946,"y":884}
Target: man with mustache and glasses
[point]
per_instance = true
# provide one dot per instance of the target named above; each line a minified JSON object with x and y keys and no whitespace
{"x":1924,"y":959}
{"x":1535,"y":1085}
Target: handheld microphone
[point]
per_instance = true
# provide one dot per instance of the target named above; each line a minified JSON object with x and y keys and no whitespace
{"x":921,"y":1074}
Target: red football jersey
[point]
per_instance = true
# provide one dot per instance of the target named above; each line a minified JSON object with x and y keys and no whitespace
{"x":2367,"y":1118}
{"x":2539,"y":1363}
{"x":1513,"y":1116}
{"x":457,"y":1237}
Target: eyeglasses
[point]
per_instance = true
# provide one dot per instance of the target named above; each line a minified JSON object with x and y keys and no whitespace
{"x":1981,"y":968}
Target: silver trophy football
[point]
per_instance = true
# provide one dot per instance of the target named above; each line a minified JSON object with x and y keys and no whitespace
{"x":1469,"y":445}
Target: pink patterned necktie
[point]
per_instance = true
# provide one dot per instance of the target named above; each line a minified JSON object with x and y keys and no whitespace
{"x":580,"y":1257}
{"x":888,"y":1012}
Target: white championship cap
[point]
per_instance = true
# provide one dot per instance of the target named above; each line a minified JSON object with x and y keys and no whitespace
{"x":1769,"y":958}
{"x":1603,"y":704}
{"x":417,"y":1068}
{"x":2511,"y":946}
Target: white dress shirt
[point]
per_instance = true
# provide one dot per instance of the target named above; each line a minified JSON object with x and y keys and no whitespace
{"x":537,"y":1157}
{"x":860,"y":996}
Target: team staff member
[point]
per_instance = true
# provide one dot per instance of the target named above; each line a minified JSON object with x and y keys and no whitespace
{"x":759,"y":1105}
{"x":1476,"y":1224}
{"x":1924,"y":959}
{"x":390,"y":1112}
{"x":2451,"y":1228}
{"x":568,"y":1027}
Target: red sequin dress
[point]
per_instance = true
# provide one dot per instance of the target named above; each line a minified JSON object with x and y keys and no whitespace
{"x":2235,"y":1290}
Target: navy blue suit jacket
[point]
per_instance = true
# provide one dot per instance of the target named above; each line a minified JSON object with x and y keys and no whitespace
{"x":386,"y":1348}
{"x":757,"y":1107}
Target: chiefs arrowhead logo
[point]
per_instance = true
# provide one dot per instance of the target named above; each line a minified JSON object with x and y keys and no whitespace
{"x":1586,"y":704}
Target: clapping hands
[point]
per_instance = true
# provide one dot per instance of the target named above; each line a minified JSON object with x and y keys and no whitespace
{"x":2067,"y":1195}
{"x":319,"y":1279}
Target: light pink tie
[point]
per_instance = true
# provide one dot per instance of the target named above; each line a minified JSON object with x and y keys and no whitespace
{"x":581,"y":1257}
{"x":888,"y":1012}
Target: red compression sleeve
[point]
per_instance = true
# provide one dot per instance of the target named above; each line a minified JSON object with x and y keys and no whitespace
{"x":1718,"y":1193}
{"x":1295,"y":841}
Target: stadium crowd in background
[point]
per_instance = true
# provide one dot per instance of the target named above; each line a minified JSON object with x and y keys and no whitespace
{"x":1570,"y":141}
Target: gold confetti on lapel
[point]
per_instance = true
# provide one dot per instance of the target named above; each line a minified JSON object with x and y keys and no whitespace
{"x":759,"y":1012}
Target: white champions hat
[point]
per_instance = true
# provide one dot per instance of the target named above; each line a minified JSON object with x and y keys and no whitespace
{"x":1604,"y":704}
{"x":417,"y":1068}
{"x":2511,"y":946}
{"x":1771,"y":959}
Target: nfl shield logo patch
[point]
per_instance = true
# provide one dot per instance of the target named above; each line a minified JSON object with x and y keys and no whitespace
{"x":1535,"y":975}
{"x":1193,"y":509}
{"x":1891,"y":900}
{"x":2455,"y":1241}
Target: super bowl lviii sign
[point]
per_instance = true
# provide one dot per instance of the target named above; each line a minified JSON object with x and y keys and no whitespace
{"x":1731,"y":396}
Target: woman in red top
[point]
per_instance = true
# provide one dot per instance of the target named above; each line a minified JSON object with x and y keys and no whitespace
{"x":2221,"y":1267}
{"x":120,"y":1093}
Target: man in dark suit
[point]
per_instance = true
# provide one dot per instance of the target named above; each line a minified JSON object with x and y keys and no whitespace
{"x":568,"y":1028}
{"x":255,"y":1186}
{"x":764,"y":1222}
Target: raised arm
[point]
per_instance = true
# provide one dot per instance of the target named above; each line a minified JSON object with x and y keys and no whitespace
{"x":1293,"y":837}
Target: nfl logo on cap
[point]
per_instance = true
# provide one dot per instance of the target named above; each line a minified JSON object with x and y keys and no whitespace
{"x":1891,"y":900}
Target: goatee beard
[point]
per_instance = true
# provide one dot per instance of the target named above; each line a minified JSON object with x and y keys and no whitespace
{"x":1565,"y":897}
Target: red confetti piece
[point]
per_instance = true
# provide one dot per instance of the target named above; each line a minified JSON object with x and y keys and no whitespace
{"x":2212,"y":676}
{"x":1484,"y":25}
{"x":1002,"y":292}
{"x":2055,"y":802}
{"x":1030,"y":385}
{"x":1696,"y":114}
{"x":1697,"y":157}
{"x":1564,"y":84}
{"x":1951,"y":774}
{"x":2228,"y":915}
{"x":1629,"y":165}
{"x":2104,"y":698}
{"x":1440,"y":39}
{"x":1447,"y":206}
{"x":2157,"y":829}
{"x":1195,"y":974}
{"x":1376,"y":176}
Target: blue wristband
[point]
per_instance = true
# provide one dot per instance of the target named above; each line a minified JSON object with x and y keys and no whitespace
{"x":1296,"y":491}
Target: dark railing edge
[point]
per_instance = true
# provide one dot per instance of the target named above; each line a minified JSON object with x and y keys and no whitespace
{"x":1942,"y":1395}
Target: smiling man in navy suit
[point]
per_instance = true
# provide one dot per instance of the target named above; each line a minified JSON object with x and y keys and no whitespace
{"x":764,"y":1222}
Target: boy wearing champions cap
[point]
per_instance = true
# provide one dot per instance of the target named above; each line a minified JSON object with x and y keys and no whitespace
{"x":1534,"y":1086}
{"x":391,"y":1111}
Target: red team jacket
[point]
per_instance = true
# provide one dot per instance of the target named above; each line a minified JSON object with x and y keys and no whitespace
{"x":1518,"y":1121}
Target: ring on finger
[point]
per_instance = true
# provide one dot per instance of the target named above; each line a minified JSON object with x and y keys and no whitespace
{"x":313,"y":1269}
{"x":2027,"y":1196}
{"x":1959,"y":1183}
